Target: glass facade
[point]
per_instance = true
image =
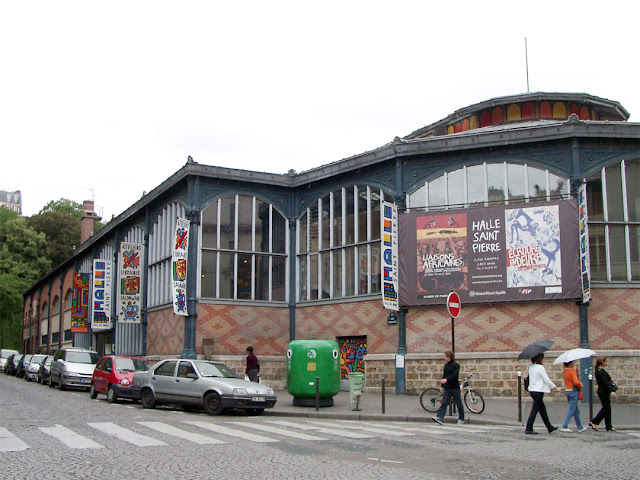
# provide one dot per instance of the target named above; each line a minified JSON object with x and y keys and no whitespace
{"x":339,"y":244}
{"x":244,"y":250}
{"x":613,"y":201}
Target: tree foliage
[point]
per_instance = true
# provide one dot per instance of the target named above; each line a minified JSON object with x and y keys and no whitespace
{"x":23,"y":259}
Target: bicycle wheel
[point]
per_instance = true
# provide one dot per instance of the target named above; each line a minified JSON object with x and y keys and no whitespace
{"x":474,"y":401}
{"x":431,"y":399}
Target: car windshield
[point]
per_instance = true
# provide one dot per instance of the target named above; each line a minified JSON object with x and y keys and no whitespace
{"x":7,"y":353}
{"x":207,"y":369}
{"x":38,"y":358}
{"x":48,"y":360}
{"x":132,"y":365}
{"x":82,"y":357}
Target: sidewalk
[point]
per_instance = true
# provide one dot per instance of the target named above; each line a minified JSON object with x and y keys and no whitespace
{"x":498,"y":411}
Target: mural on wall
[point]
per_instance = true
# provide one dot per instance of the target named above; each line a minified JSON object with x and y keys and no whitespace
{"x":130,"y":273}
{"x":179,"y":267}
{"x":80,"y":302}
{"x":352,"y":352}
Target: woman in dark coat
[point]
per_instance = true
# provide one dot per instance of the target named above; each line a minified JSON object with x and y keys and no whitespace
{"x":604,"y":393}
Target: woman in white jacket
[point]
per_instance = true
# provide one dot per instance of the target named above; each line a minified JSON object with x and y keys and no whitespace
{"x":539,"y":384}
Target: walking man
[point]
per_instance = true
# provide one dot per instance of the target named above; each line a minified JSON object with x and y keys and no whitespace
{"x":253,"y":366}
{"x":450,"y":388}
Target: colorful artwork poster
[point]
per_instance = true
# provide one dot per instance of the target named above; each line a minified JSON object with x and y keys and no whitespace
{"x":389,"y":236}
{"x":493,"y":254}
{"x":352,"y":352}
{"x":179,"y":267}
{"x":101,"y":295}
{"x":80,"y":302}
{"x":585,"y":267}
{"x":130,"y":274}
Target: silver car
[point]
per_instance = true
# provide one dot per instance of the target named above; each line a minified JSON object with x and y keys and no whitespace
{"x":72,"y":367}
{"x":211,"y":386}
{"x":32,"y":368}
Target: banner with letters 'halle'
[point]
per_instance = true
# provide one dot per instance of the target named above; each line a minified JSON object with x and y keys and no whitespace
{"x":101,"y":295}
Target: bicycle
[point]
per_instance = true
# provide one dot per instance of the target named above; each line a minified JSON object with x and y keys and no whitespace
{"x":431,"y":398}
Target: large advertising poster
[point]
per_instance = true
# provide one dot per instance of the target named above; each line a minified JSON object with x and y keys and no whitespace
{"x":494,"y":254}
{"x":80,"y":302}
{"x":130,"y":272}
{"x":585,"y":267}
{"x":101,"y":295}
{"x":179,"y":267}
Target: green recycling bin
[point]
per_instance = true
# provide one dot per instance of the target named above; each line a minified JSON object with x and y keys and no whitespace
{"x":356,"y":383}
{"x":306,"y":360}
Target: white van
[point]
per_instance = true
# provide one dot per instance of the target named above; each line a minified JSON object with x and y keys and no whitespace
{"x":4,"y":354}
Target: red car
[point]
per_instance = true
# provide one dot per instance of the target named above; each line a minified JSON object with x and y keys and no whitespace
{"x":113,"y":376}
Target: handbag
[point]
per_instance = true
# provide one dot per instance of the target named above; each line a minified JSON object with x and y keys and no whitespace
{"x":580,"y":395}
{"x":613,"y":386}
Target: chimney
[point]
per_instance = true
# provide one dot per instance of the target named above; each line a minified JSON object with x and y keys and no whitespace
{"x":88,"y":219}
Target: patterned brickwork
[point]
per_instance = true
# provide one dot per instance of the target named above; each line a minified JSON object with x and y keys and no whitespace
{"x":614,"y":319}
{"x":326,"y":322}
{"x":234,"y":327}
{"x":165,"y":333}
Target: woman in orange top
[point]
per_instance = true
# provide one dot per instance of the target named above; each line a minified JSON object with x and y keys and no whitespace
{"x":573,"y":387}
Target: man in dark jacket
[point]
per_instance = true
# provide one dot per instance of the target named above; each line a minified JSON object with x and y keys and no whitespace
{"x":253,"y":366}
{"x":450,"y":387}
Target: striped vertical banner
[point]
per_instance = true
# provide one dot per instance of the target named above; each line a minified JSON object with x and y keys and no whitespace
{"x":389,"y":235}
{"x":179,"y":267}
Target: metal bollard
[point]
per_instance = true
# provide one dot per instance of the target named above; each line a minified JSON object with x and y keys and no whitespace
{"x":383,"y":395}
{"x":590,"y":397}
{"x":317,"y":394}
{"x":520,"y":397}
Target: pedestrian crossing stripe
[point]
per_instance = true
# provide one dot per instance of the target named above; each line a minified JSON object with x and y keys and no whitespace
{"x":126,"y":435}
{"x":69,"y":437}
{"x":177,"y":432}
{"x":231,"y":432}
{"x":338,"y":432}
{"x":10,"y":443}
{"x":278,"y":431}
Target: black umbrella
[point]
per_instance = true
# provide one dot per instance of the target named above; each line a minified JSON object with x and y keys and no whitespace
{"x":535,"y":349}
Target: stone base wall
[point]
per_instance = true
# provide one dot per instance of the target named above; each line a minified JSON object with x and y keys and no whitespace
{"x":496,"y":374}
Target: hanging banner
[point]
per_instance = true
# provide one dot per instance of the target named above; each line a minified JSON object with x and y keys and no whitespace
{"x":130,"y":273}
{"x":510,"y":253}
{"x":80,"y":302}
{"x":179,"y":270}
{"x":389,"y":236}
{"x":585,"y":262}
{"x":101,"y":295}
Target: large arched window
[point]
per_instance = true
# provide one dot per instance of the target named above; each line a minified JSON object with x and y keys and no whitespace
{"x":613,"y":204}
{"x":339,"y":244}
{"x":488,"y":183}
{"x":244,"y":250}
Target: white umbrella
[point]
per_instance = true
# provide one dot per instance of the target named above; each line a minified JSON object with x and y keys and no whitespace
{"x":575,"y":354}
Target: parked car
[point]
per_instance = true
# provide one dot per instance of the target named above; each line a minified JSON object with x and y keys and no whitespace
{"x":31,"y":370}
{"x":43,"y":371}
{"x":13,"y":361}
{"x":72,"y":367}
{"x":200,"y":384}
{"x":22,"y":366}
{"x":114,"y":374}
{"x":5,"y":353}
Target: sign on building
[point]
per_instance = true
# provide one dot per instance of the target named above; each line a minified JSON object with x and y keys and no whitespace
{"x":80,"y":302}
{"x":389,"y":235}
{"x":585,"y":267}
{"x":101,"y":295}
{"x":179,"y":267}
{"x":130,"y":281}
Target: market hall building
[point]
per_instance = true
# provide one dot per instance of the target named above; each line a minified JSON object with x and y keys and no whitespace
{"x":277,"y":257}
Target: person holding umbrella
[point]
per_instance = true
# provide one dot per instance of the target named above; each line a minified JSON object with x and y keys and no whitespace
{"x":573,"y":386}
{"x":539,"y":384}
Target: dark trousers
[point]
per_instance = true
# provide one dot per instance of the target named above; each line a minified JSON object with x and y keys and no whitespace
{"x":446,"y":399}
{"x":253,"y":375}
{"x":538,"y":406}
{"x":605,"y":411}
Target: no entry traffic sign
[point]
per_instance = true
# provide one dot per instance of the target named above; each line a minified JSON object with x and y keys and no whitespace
{"x":453,"y":304}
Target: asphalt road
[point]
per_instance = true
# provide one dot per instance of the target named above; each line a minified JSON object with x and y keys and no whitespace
{"x":49,"y":434}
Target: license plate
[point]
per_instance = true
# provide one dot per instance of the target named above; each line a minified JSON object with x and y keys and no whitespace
{"x":258,"y":399}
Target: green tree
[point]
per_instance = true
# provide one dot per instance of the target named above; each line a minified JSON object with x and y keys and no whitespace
{"x":23,"y":259}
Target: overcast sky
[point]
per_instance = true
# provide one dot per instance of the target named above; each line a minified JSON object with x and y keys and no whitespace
{"x":106,"y":100}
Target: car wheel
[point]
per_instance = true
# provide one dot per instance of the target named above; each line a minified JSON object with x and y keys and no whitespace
{"x":111,"y":395}
{"x":61,"y":385}
{"x":148,"y":399}
{"x":51,"y":384}
{"x":255,"y":411}
{"x":92,"y":393}
{"x":212,"y":403}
